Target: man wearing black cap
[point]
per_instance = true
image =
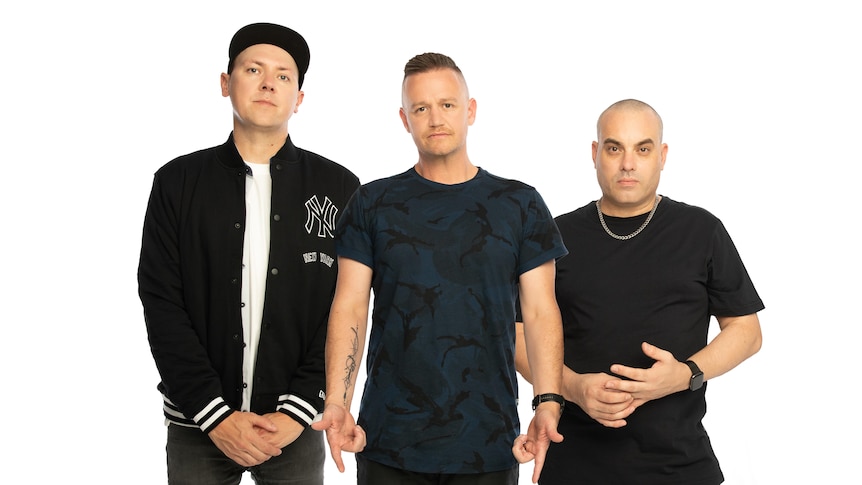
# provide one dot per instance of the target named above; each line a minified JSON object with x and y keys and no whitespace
{"x":236,"y":276}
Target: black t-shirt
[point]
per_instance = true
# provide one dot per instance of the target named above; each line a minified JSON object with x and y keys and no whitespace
{"x":661,"y":287}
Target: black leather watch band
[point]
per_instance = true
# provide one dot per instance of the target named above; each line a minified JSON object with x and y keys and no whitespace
{"x":549,"y":397}
{"x":696,"y":381}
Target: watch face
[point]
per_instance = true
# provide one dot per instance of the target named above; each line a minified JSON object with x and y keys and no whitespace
{"x":696,"y":376}
{"x":696,"y":381}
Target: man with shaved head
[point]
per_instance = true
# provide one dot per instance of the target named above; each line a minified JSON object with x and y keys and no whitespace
{"x":644,"y":276}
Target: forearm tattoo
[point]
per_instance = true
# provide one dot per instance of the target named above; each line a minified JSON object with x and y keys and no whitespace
{"x":350,"y":364}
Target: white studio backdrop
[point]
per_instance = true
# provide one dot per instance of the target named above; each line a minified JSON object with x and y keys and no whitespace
{"x":761,"y":107}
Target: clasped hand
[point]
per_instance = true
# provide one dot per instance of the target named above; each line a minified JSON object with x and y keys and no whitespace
{"x":242,"y":438}
{"x":609,"y":400}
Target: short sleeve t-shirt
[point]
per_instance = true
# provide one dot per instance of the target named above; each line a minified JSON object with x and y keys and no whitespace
{"x":662,"y":287}
{"x":441,"y":393}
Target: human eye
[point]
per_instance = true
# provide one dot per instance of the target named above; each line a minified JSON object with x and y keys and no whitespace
{"x":252,"y":70}
{"x":284,"y":77}
{"x":448,"y":105}
{"x":420,"y":109}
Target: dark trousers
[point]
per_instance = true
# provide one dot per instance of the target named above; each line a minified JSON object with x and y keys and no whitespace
{"x":193,"y":459}
{"x":372,"y":473}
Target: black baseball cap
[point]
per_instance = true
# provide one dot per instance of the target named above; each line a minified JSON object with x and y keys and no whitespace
{"x":277,"y":35}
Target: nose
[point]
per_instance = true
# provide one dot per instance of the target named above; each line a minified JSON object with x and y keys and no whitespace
{"x":268,"y":83}
{"x":629,"y":163}
{"x":434,"y":118}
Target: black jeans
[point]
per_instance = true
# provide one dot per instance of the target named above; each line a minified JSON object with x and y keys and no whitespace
{"x":372,"y":473}
{"x":193,"y":459}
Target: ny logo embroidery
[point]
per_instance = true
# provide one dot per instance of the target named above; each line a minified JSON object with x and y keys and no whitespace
{"x":322,"y":215}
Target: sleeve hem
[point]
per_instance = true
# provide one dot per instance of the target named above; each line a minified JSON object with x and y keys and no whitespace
{"x":297,"y":408}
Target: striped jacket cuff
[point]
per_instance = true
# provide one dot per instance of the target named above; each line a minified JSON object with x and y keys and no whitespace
{"x":209,"y":417}
{"x":297,"y":408}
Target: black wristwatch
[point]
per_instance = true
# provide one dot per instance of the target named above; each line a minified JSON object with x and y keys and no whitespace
{"x":549,"y":397}
{"x":696,"y":381}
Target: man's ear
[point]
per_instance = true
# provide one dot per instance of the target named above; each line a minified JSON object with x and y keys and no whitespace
{"x":404,"y":119}
{"x":224,"y":80}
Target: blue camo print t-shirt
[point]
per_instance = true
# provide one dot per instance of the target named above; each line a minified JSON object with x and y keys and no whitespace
{"x":441,"y":393}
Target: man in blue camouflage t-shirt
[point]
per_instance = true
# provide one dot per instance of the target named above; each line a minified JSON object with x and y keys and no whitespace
{"x":446,"y":248}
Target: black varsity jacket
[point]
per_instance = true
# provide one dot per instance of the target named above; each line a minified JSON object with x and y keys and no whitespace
{"x":189,"y":281}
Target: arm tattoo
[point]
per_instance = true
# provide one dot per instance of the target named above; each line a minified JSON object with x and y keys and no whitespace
{"x":350,"y":364}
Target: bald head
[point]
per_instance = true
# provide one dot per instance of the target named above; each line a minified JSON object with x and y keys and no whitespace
{"x":630,"y":106}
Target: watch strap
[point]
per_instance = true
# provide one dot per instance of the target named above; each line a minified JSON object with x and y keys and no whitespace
{"x":549,"y":397}
{"x":696,"y":381}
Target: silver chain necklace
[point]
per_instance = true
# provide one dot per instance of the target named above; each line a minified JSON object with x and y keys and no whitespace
{"x":623,"y":238}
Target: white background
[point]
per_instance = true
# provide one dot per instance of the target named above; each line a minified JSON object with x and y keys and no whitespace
{"x":762,"y":111}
